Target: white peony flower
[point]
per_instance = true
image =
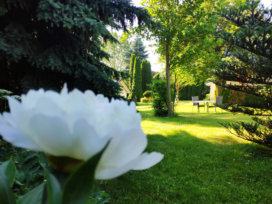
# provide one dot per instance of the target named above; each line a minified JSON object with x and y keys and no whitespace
{"x":78,"y":125}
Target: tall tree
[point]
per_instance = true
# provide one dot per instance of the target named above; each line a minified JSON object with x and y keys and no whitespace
{"x":46,"y":43}
{"x":248,"y":65}
{"x":137,"y":81}
{"x":116,"y":52}
{"x":146,"y":75}
{"x":165,"y":13}
{"x":131,"y":70}
{"x":138,"y":49}
{"x":185,"y":37}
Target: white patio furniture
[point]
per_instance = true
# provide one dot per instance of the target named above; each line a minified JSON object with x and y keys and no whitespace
{"x":197,"y":102}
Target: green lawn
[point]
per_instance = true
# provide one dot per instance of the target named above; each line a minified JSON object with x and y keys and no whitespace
{"x":203,"y":163}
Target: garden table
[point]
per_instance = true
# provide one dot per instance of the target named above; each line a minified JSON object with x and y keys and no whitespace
{"x":205,"y":103}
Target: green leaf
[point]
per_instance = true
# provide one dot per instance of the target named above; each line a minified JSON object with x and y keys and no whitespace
{"x":77,"y":189}
{"x":6,"y":196}
{"x":33,"y":197}
{"x":10,"y":171}
{"x":53,"y":189}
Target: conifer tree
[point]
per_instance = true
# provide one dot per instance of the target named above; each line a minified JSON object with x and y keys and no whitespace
{"x":46,"y":43}
{"x":138,"y":49}
{"x":131,"y":70}
{"x":249,"y":64}
{"x":137,"y":81}
{"x":146,"y":75}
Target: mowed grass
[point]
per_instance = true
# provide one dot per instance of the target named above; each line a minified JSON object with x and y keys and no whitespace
{"x":203,"y":162}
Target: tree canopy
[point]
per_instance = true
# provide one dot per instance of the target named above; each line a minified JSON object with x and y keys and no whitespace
{"x":185,"y":37}
{"x":247,"y":67}
{"x":146,"y":75}
{"x":44,"y":43}
{"x":136,"y":92}
{"x":138,"y":49}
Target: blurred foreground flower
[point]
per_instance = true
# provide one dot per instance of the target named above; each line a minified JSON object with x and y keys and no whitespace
{"x":78,"y":125}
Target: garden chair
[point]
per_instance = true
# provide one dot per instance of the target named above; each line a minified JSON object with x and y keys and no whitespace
{"x":196,"y":98}
{"x":218,"y":102}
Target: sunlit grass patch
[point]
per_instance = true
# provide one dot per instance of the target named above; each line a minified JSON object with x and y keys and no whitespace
{"x":203,"y":162}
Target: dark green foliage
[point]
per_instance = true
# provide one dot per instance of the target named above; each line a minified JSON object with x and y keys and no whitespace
{"x":159,"y":97}
{"x":259,"y":131}
{"x":157,"y":76}
{"x":29,"y":165}
{"x":44,"y":43}
{"x":144,"y":100}
{"x":148,"y":93}
{"x":253,"y":101}
{"x":226,"y":93}
{"x":78,"y":186}
{"x":3,"y":100}
{"x":131,"y":68}
{"x":187,"y":92}
{"x":7,"y":174}
{"x":160,"y":108}
{"x":248,"y":61}
{"x":146,"y":75}
{"x":137,"y":92}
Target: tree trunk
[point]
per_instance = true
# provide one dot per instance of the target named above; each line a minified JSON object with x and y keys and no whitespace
{"x":177,"y":91}
{"x":168,"y":85}
{"x":174,"y":99}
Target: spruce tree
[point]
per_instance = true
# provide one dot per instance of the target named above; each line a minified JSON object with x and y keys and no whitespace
{"x":146,"y":75}
{"x":248,"y":62}
{"x":131,"y":69}
{"x":46,"y":43}
{"x":137,"y":92}
{"x":138,"y":49}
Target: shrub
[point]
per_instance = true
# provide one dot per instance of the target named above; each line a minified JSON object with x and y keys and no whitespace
{"x":148,"y":94}
{"x":207,"y":97}
{"x":159,"y":101}
{"x":146,"y":75}
{"x":226,"y":93}
{"x":144,"y":100}
{"x":160,"y":107}
{"x":136,"y":92}
{"x":187,"y":92}
{"x":253,"y":101}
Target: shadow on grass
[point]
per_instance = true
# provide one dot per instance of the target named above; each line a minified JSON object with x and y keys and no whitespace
{"x":196,"y":171}
{"x":201,"y":119}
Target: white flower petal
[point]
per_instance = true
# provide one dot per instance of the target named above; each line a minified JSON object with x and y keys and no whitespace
{"x":52,"y":135}
{"x":144,"y":161}
{"x":110,"y":173}
{"x":7,"y":119}
{"x":78,"y":125}
{"x":64,"y":90}
{"x":123,"y":147}
{"x":88,"y":143}
{"x":147,"y":160}
{"x":30,"y":99}
{"x":17,"y":138}
{"x":15,"y":107}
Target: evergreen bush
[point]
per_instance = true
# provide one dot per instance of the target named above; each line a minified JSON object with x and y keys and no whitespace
{"x":136,"y":92}
{"x":146,"y":75}
{"x":200,"y":90}
{"x":131,"y":69}
{"x":159,"y":97}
